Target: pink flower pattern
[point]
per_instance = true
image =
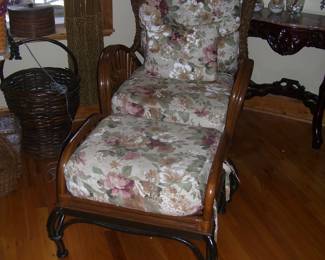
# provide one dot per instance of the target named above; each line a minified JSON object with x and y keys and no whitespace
{"x":118,"y":185}
{"x":210,"y":54}
{"x":134,"y":109}
{"x":142,"y":90}
{"x":131,"y":156}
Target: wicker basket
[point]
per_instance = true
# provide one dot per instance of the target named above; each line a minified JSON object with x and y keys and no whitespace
{"x":44,"y":111}
{"x":10,"y":130}
{"x":10,"y":162}
{"x":9,"y":167}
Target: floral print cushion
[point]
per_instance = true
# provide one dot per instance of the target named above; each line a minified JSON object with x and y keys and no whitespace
{"x":142,"y":164}
{"x":228,"y":52}
{"x":226,"y":13}
{"x":185,"y":51}
{"x":197,"y":12}
{"x":192,"y":103}
{"x":179,"y":52}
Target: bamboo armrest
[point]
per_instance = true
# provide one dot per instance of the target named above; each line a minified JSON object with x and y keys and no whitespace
{"x":116,"y":64}
{"x":236,"y":101}
{"x":74,"y":142}
{"x":238,"y":94}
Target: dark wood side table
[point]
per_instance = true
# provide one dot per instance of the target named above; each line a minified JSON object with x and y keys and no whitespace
{"x":287,"y":35}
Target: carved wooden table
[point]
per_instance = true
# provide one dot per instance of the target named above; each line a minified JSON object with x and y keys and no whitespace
{"x":287,"y":35}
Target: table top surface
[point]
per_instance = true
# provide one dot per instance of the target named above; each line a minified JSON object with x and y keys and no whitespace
{"x":303,"y":21}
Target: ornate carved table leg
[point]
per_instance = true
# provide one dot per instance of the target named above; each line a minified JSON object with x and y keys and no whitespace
{"x":318,"y":117}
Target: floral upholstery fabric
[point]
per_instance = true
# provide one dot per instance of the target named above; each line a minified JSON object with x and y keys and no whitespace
{"x":193,"y":103}
{"x":142,"y":164}
{"x":228,"y":52}
{"x":182,"y":38}
{"x":190,"y":13}
{"x":179,"y":52}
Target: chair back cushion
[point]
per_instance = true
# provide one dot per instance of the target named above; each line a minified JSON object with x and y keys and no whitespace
{"x":190,"y":40}
{"x":196,"y":12}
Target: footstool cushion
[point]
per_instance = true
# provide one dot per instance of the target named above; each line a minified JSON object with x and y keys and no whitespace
{"x":144,"y":164}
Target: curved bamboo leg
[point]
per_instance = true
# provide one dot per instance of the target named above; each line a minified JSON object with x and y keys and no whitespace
{"x":55,"y":230}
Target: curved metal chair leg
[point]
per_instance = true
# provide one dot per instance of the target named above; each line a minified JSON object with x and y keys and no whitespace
{"x":191,"y":246}
{"x":55,"y":230}
{"x":195,"y":250}
{"x":56,"y":224}
{"x":211,"y":248}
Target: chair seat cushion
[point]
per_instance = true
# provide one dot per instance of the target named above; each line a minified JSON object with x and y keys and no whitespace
{"x":143,"y":164}
{"x":194,"y":103}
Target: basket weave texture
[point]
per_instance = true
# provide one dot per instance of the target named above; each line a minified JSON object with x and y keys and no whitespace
{"x":45,"y":114}
{"x":10,"y":130}
{"x":9,"y":167}
{"x":31,"y":20}
{"x":10,"y":162}
{"x":45,"y":100}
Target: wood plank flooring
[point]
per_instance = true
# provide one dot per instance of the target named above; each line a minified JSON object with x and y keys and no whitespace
{"x":277,"y":213}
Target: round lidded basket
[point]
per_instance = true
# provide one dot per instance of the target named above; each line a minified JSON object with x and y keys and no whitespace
{"x":31,"y":20}
{"x":45,"y":101}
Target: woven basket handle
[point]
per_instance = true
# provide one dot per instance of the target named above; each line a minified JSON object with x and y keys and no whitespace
{"x":73,"y":58}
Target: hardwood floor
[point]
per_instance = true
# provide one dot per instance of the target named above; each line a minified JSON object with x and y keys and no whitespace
{"x":277,"y":213}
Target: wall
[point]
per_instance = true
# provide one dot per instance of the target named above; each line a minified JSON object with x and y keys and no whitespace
{"x":307,"y":66}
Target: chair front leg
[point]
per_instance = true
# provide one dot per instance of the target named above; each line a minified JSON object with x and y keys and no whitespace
{"x":55,"y":228}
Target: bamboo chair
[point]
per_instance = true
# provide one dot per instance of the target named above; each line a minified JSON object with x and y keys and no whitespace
{"x":116,"y":65}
